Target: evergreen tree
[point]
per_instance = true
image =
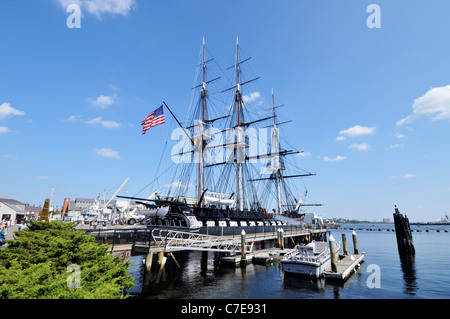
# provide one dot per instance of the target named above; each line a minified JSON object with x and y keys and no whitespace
{"x":38,"y":263}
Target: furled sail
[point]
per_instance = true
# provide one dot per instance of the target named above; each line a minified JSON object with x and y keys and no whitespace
{"x":218,"y":199}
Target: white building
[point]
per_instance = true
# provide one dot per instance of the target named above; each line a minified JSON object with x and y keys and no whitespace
{"x":11,"y":209}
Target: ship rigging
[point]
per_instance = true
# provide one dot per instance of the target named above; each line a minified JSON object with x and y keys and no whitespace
{"x":234,"y":166}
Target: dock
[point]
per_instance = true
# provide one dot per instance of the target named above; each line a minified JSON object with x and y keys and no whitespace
{"x":144,"y":241}
{"x":263,"y":256}
{"x":236,"y":259}
{"x":346,"y":265}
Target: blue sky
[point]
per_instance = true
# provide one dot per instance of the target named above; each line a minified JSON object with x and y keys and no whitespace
{"x":370,"y":107}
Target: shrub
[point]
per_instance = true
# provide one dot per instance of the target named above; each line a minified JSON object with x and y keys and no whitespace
{"x":35,"y":265}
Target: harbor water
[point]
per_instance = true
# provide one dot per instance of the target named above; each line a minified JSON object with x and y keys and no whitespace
{"x":382,"y":275}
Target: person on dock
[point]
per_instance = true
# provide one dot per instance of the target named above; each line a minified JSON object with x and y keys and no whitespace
{"x":23,"y":225}
{"x":3,"y":234}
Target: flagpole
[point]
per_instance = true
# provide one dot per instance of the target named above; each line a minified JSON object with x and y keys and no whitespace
{"x":178,"y":122}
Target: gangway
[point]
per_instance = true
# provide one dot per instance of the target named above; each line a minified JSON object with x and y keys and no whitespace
{"x":173,"y":240}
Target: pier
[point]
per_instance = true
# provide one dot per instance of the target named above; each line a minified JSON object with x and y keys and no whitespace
{"x":235,"y":245}
{"x":343,"y":264}
{"x":345,"y":267}
{"x":140,"y":241}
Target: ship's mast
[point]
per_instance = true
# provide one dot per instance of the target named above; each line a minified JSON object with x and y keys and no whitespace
{"x":240,"y":157}
{"x":276,"y":164}
{"x":201,"y":128}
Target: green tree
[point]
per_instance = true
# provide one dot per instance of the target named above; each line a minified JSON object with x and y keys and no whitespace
{"x":35,"y":265}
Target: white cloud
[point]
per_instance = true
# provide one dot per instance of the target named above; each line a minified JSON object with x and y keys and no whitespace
{"x":42,"y":178}
{"x":355,"y":131}
{"x":360,"y":147}
{"x":406,"y":120}
{"x":337,"y":158}
{"x":104,"y":123}
{"x":11,"y":156}
{"x":435,"y":102}
{"x":251,"y":97}
{"x":396,"y":146}
{"x":103,"y":101}
{"x":115,"y":7}
{"x":101,"y":7}
{"x":303,"y":154}
{"x":4,"y":130}
{"x":7,"y":110}
{"x":73,"y":118}
{"x":179,"y":185}
{"x":408,"y":176}
{"x":107,"y":152}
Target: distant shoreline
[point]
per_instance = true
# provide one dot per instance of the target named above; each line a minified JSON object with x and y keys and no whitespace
{"x":411,"y":223}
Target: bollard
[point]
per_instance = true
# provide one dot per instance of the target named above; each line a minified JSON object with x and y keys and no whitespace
{"x":278,"y":237}
{"x":243,"y":252}
{"x":344,"y":243}
{"x":355,"y":243}
{"x":333,"y":254}
{"x":281,"y":238}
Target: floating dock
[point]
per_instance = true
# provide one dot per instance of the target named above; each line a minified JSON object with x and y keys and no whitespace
{"x":345,"y":267}
{"x":236,"y":259}
{"x":263,"y":256}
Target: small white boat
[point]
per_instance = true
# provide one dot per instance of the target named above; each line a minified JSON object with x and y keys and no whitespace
{"x":309,"y":260}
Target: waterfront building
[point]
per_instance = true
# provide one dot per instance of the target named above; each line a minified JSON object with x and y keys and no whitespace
{"x":11,"y":209}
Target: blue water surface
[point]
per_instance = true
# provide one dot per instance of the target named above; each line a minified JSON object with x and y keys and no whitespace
{"x":381,"y":276}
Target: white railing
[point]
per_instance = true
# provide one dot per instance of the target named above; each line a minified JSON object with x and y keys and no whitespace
{"x":175,"y":240}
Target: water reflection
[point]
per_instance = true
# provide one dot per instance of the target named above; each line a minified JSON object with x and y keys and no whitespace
{"x":409,"y":273}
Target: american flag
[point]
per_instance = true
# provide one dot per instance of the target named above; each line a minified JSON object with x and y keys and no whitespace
{"x":153,"y":119}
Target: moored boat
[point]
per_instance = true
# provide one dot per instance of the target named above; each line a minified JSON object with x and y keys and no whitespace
{"x":308,"y":260}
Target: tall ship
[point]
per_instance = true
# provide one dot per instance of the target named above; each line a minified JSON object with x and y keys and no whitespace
{"x":230,"y":166}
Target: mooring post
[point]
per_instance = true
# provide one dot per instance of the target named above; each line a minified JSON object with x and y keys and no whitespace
{"x":355,"y":243}
{"x":333,"y":254}
{"x":243,"y":252}
{"x":278,"y":237}
{"x":344,"y":243}
{"x":282,"y":238}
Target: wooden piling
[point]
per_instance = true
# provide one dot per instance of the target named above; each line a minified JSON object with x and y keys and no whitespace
{"x":344,"y":243}
{"x":403,"y":233}
{"x":281,"y":232}
{"x":355,"y":243}
{"x":333,"y":254}
{"x":243,"y":249}
{"x":148,"y":269}
{"x":160,"y":257}
{"x":278,"y":238}
{"x":161,"y":268}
